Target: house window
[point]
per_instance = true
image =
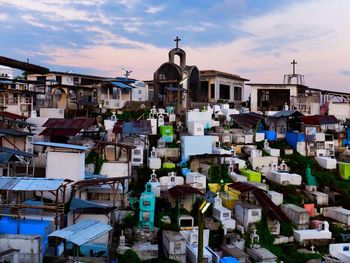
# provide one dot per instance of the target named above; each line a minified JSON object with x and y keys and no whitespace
{"x":238,"y":93}
{"x":59,"y":79}
{"x":137,"y":152}
{"x":76,"y":81}
{"x":212,"y":91}
{"x":224,"y":92}
{"x":139,"y":91}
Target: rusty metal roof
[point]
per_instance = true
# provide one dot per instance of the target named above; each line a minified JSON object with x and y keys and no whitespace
{"x":99,"y":181}
{"x":261,"y":196}
{"x":60,"y":132}
{"x":183,"y":190}
{"x":319,"y":119}
{"x":29,"y":184}
{"x":12,"y":116}
{"x":247,"y":120}
{"x":76,"y":123}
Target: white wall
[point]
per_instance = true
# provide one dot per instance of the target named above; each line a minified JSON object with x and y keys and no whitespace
{"x":115,"y":169}
{"x":67,"y":165}
{"x":51,"y":113}
{"x":339,"y":110}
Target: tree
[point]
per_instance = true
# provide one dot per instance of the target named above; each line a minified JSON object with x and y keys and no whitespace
{"x":130,"y":256}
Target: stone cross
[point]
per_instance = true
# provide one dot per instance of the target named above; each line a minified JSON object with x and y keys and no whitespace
{"x":294,"y":63}
{"x":177,"y":40}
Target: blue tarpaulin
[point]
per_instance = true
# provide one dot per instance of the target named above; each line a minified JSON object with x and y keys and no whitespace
{"x":293,"y":138}
{"x":229,"y":260}
{"x":270,"y":135}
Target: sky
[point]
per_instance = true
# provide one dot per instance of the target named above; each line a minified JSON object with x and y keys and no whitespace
{"x":256,"y":39}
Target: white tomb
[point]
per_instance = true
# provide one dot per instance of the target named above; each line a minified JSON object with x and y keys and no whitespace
{"x":192,"y":246}
{"x":326,"y":162}
{"x":137,"y":156}
{"x":337,"y":213}
{"x":259,"y":137}
{"x":258,"y":163}
{"x":271,"y":151}
{"x":195,"y":128}
{"x":234,"y":176}
{"x":153,"y":161}
{"x":246,"y":213}
{"x":223,"y":215}
{"x":155,"y":183}
{"x":280,"y":175}
{"x":276,"y":197}
{"x":313,"y":234}
{"x":340,"y":251}
{"x":167,"y":182}
{"x":161,"y":121}
{"x":196,"y":180}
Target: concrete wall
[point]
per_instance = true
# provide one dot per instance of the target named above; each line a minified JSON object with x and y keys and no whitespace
{"x":29,"y":246}
{"x":51,"y":113}
{"x":66,"y":165}
{"x":115,"y":169}
{"x":339,"y":110}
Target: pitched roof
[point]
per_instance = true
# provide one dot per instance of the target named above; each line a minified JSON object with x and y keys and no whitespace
{"x":76,"y":123}
{"x":319,"y":119}
{"x":66,"y":127}
{"x":12,"y":116}
{"x":183,"y":190}
{"x":287,"y":113}
{"x":29,"y":184}
{"x":14,"y":132}
{"x":62,"y":145}
{"x":22,"y":65}
{"x":82,"y":232}
{"x":247,"y":120}
{"x":261,"y":196}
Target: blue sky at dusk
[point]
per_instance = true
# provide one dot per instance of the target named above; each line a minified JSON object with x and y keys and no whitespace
{"x":253,"y":38}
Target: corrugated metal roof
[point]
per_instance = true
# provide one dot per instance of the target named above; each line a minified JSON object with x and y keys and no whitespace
{"x":183,"y":190}
{"x":14,"y":132}
{"x":247,"y":120}
{"x":29,"y":184}
{"x":7,"y":157}
{"x":16,"y":152}
{"x":82,"y":232}
{"x":77,"y":123}
{"x":143,"y":127}
{"x":287,"y":113}
{"x":62,"y":145}
{"x":120,"y":85}
{"x":12,"y":116}
{"x":319,"y":119}
{"x":59,"y":132}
